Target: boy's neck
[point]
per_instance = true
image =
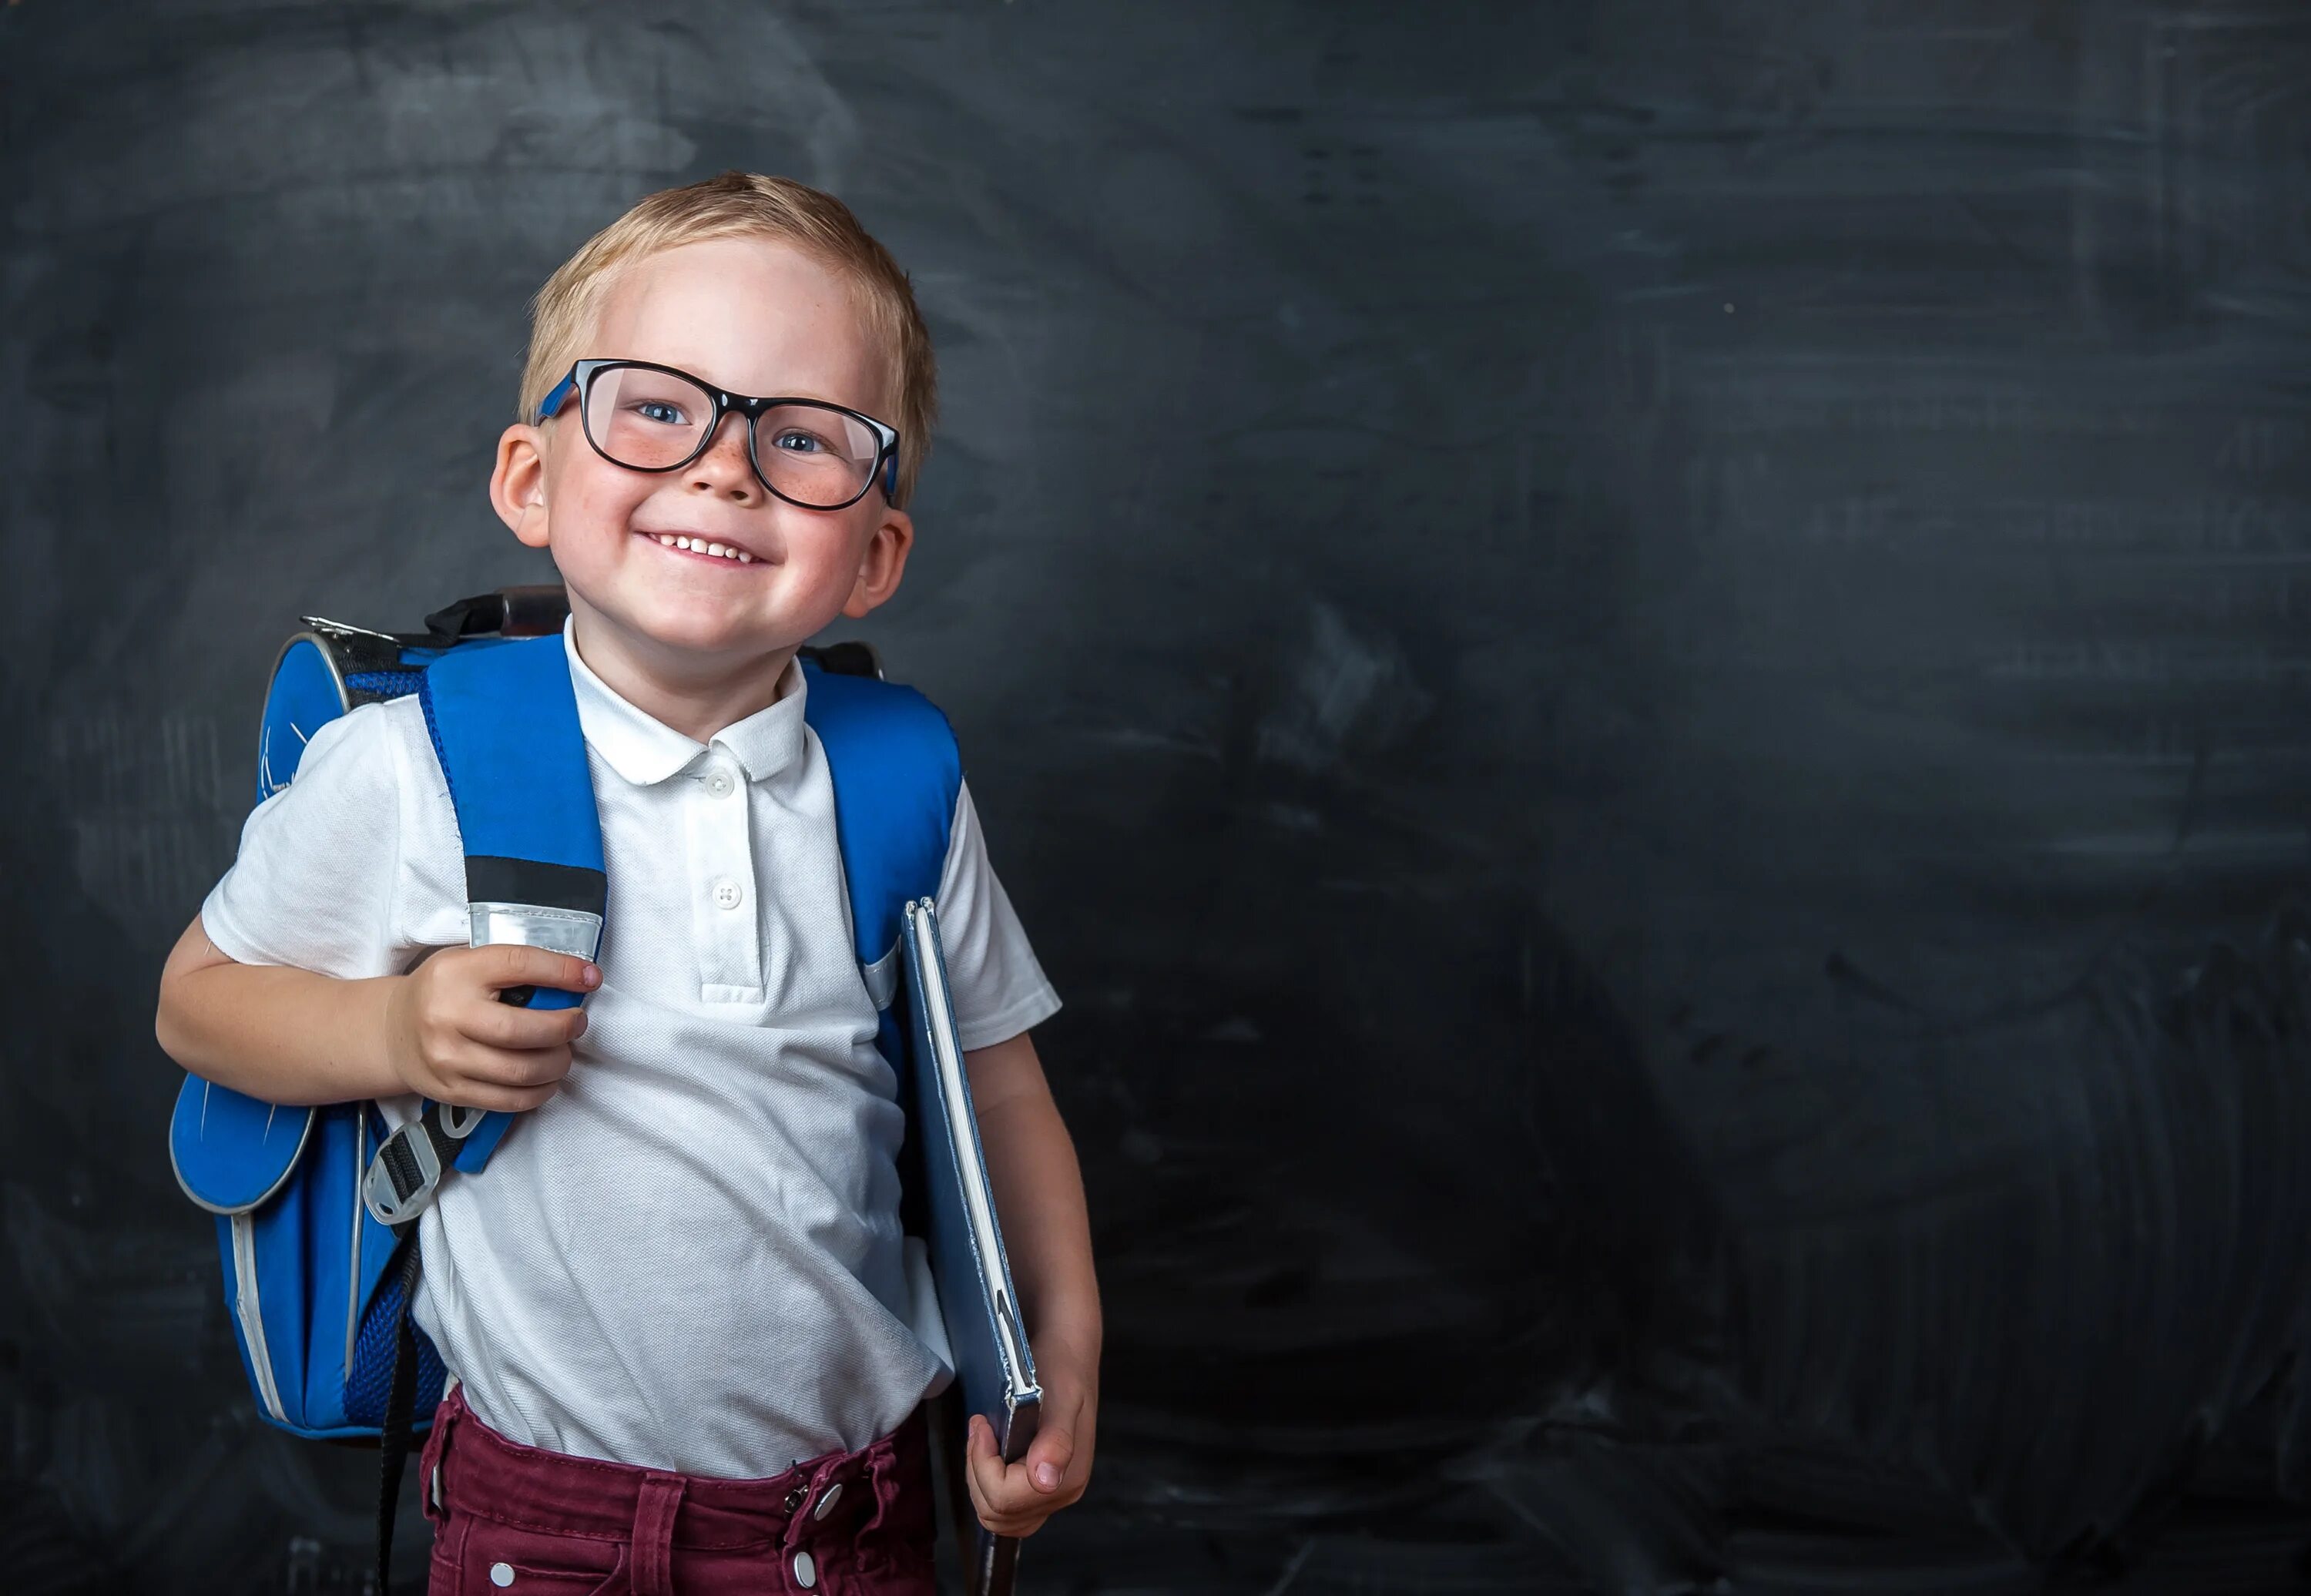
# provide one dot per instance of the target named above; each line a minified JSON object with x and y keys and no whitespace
{"x":697,"y":699}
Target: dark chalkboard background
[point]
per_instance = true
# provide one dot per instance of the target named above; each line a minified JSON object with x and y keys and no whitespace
{"x":1641,"y":664}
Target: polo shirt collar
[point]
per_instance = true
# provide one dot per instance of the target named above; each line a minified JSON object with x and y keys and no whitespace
{"x":644,"y":750}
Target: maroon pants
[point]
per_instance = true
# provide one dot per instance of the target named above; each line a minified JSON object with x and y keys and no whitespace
{"x":509,"y":1518}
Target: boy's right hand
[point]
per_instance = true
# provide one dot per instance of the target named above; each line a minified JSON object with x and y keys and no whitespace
{"x":450,"y":1037}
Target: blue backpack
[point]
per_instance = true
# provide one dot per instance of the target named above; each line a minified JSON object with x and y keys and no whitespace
{"x":316,"y":1207}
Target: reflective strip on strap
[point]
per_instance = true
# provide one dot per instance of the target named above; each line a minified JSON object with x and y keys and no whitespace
{"x":530,"y":925}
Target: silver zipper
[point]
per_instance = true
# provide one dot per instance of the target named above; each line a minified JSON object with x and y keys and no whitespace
{"x":252,"y":1313}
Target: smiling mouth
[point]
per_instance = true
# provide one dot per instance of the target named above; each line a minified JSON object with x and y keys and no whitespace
{"x":727,"y":554}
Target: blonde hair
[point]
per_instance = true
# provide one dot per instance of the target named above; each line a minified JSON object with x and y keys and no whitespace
{"x":746,"y":205}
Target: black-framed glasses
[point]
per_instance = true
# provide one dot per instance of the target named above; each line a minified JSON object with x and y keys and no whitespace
{"x":648,"y":417}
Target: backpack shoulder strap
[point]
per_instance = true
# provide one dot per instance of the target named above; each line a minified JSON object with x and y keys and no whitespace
{"x":897,"y":775}
{"x":504,"y":720}
{"x":503,"y":717}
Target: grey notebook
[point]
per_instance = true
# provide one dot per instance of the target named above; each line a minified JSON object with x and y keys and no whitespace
{"x":994,"y":1370}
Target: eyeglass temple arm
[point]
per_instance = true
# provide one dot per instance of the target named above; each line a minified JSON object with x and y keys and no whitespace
{"x":553,"y":401}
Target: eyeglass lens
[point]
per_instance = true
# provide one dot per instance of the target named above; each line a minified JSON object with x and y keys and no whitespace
{"x":650,"y":421}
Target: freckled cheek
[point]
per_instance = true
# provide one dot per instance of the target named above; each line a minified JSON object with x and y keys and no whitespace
{"x":830,"y":570}
{"x":598,"y":491}
{"x":604,"y":522}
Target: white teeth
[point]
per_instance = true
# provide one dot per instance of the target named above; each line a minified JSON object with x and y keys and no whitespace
{"x":699,"y":545}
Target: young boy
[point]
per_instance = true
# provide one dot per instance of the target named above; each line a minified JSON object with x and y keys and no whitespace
{"x":675,"y":1303}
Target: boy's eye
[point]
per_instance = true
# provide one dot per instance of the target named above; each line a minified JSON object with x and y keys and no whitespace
{"x":661,"y":410}
{"x":794,"y":441}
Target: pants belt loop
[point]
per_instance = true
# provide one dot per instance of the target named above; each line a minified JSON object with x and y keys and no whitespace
{"x":429,"y":1460}
{"x":654,"y":1510}
{"x":881,"y":1477}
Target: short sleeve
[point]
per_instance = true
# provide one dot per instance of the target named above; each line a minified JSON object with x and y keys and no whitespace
{"x":324,"y":877}
{"x":998,"y":989}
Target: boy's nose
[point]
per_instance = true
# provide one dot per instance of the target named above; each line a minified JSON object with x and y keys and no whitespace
{"x":724,"y":466}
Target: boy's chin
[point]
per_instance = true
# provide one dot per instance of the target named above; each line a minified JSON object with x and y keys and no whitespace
{"x":694,"y":629}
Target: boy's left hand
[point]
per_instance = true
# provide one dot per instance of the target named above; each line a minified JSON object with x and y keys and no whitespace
{"x":1016,"y":1498}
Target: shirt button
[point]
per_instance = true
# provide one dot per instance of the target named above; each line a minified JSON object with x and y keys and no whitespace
{"x":826,"y":1500}
{"x":726,"y":895}
{"x":501,"y":1574}
{"x":806,"y":1571}
{"x":720,"y":784}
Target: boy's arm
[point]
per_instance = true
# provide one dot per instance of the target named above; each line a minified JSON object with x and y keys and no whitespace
{"x":281,"y":1035}
{"x":1031,"y":1161}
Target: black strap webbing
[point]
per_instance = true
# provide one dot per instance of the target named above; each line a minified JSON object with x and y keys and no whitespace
{"x":400,"y":1397}
{"x":401,"y":1165}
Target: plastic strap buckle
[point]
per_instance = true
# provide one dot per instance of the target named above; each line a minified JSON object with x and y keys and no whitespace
{"x":403,"y":1178}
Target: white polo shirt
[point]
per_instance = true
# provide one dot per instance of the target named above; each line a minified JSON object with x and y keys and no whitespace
{"x":689,"y":1258}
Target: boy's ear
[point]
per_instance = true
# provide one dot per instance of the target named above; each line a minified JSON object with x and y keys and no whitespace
{"x":518,"y":482}
{"x":883,"y":563}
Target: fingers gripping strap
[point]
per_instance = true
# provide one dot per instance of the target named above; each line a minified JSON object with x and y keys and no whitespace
{"x":528,"y":925}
